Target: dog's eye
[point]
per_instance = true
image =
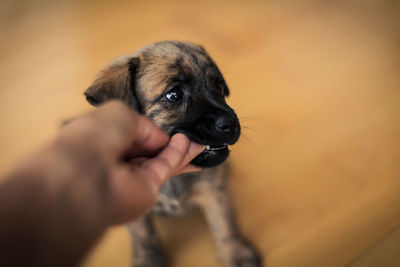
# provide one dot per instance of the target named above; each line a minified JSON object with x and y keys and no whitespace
{"x":175,"y":94}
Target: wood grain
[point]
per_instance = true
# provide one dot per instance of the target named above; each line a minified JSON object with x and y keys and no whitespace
{"x":315,"y":177}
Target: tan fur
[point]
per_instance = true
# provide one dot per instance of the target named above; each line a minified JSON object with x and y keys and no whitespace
{"x":115,"y":75}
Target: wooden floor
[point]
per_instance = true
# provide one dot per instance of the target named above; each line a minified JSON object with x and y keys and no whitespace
{"x":316,"y":176}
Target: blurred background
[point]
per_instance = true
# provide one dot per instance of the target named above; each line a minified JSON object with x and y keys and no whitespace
{"x":316,"y":176}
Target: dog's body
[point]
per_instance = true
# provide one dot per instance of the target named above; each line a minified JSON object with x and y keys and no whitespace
{"x":180,"y":88}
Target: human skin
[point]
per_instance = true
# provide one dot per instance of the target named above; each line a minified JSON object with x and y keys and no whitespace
{"x":103,"y":168}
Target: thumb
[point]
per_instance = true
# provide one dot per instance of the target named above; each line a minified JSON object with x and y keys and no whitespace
{"x":172,"y":158}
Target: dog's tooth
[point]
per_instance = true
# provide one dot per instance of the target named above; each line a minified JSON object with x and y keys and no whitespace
{"x":208,"y":147}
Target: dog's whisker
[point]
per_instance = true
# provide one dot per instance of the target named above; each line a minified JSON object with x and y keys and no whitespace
{"x":246,"y":118}
{"x":244,"y":138}
{"x":248,"y":128}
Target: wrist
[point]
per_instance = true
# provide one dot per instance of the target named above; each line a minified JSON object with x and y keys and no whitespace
{"x":52,"y":204}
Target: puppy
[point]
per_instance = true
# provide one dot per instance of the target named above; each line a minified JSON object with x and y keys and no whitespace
{"x":180,"y":88}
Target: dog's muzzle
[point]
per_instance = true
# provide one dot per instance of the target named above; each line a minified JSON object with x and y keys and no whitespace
{"x":216,"y":132}
{"x":211,"y":156}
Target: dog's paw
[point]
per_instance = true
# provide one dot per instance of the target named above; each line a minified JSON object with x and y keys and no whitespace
{"x":240,"y":253}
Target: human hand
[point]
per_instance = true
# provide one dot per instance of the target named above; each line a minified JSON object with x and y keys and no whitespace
{"x":103,"y":168}
{"x":127,"y":155}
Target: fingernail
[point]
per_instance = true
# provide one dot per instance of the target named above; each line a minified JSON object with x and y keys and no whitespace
{"x":195,"y":149}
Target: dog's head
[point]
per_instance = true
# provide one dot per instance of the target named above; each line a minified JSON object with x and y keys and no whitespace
{"x":180,"y":88}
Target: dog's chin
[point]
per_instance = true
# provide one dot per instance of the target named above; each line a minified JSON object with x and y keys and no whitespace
{"x":211,"y":157}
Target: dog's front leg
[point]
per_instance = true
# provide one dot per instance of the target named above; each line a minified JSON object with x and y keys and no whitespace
{"x":233,"y":249}
{"x":147,"y":247}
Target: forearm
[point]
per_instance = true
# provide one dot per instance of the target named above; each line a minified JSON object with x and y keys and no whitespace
{"x":49,"y":214}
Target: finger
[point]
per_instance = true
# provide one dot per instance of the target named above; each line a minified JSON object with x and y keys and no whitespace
{"x":168,"y":160}
{"x":124,"y":131}
{"x":138,"y":161}
{"x":149,"y":139}
{"x":186,"y":169}
{"x":190,"y":168}
{"x":143,"y":133}
{"x":193,"y":151}
{"x":132,"y":195}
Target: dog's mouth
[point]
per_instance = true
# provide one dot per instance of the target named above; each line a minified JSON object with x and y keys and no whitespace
{"x":213,"y":155}
{"x":216,"y":148}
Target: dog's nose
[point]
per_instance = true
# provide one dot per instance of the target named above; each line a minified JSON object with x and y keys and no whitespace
{"x":225,"y":124}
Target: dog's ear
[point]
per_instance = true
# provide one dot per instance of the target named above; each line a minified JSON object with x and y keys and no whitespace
{"x":225,"y":89}
{"x":116,"y":81}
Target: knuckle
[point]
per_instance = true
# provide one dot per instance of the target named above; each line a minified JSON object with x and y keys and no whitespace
{"x":178,"y":152}
{"x":165,"y":165}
